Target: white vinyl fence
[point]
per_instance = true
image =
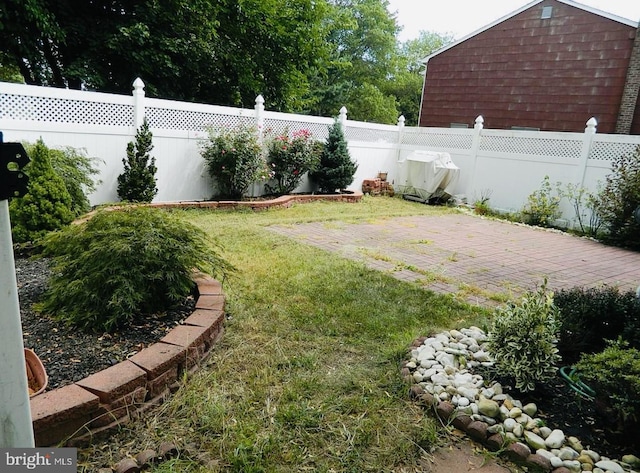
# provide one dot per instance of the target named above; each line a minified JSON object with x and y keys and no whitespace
{"x":507,"y":164}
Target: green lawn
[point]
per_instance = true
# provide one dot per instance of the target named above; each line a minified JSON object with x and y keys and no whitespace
{"x":307,"y":376}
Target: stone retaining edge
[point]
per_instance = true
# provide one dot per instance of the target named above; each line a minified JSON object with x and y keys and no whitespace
{"x":517,"y":452}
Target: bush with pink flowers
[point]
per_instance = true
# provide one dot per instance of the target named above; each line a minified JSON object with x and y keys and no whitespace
{"x":289,"y":158}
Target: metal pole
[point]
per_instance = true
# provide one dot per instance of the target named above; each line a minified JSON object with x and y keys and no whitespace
{"x":16,"y":428}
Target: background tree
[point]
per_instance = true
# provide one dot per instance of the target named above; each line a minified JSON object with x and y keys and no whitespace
{"x":407,"y":79}
{"x":305,"y":56}
{"x":138,"y":181}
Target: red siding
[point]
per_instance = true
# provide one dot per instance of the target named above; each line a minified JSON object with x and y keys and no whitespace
{"x":551,"y":74}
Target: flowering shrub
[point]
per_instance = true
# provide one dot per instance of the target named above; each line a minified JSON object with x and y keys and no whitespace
{"x":234,"y":159}
{"x":289,"y":158}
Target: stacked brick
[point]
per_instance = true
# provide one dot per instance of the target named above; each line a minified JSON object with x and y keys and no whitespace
{"x":73,"y":414}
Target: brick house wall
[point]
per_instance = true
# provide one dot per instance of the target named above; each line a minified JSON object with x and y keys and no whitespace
{"x":552,"y":74}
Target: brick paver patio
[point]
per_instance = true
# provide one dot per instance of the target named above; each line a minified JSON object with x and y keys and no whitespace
{"x":473,"y":257}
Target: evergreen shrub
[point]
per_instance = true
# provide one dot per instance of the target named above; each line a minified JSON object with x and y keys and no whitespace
{"x":119,"y":264}
{"x":138,"y":181}
{"x":336,"y":168}
{"x":47,"y":204}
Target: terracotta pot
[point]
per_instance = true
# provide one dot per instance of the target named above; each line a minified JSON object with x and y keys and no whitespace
{"x":37,"y":378}
{"x":382,"y":176}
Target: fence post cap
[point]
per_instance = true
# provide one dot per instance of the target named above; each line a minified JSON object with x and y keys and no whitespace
{"x":401,"y":120}
{"x":138,"y":84}
{"x":480,"y":120}
{"x":259,"y":100}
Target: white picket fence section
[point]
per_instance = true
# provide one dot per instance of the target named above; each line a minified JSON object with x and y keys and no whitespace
{"x":508,"y":164}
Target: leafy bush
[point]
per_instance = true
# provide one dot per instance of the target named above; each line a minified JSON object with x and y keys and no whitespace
{"x":47,"y":203}
{"x":614,"y":374}
{"x":620,"y":198}
{"x":138,"y":181}
{"x":481,"y":205}
{"x":585,"y":206}
{"x":75,"y":168}
{"x":122,"y":263}
{"x":336,"y":168}
{"x":522,"y":340}
{"x":590,"y":316}
{"x":234,"y":160}
{"x":289,"y":159}
{"x":543,"y":205}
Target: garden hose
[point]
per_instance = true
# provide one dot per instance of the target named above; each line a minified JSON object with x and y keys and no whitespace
{"x":573,"y":380}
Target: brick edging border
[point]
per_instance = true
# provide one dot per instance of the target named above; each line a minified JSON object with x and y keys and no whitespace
{"x":72,"y":415}
{"x":284,"y":201}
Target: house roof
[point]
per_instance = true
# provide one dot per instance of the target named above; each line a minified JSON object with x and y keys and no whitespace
{"x":589,"y":9}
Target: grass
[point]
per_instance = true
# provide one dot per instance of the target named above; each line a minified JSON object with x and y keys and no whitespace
{"x":307,"y":375}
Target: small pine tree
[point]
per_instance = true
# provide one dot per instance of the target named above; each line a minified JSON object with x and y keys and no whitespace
{"x":138,"y":181}
{"x":336,"y":169}
{"x":47,"y":204}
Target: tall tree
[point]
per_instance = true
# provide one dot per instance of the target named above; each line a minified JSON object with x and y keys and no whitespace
{"x":407,"y":74}
{"x":225,"y":51}
{"x":362,"y":35}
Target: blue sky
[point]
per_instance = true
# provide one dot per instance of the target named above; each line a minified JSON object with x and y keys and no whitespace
{"x":462,"y":17}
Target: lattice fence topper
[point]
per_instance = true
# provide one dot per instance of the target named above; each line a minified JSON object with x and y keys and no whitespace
{"x":167,"y":119}
{"x":370,"y":134}
{"x":274,"y":126}
{"x":607,"y":151}
{"x":517,"y":145}
{"x":437,"y":140}
{"x":58,"y":110}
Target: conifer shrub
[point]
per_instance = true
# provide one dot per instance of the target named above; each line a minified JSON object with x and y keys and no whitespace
{"x":522,"y":340}
{"x":119,"y":264}
{"x":47,"y":204}
{"x":336,"y":168}
{"x":138,"y":181}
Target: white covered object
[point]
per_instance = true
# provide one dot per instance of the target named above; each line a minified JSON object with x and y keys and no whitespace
{"x":427,"y":174}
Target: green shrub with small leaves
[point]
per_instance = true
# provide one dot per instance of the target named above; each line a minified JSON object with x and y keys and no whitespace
{"x":123,"y":263}
{"x":76,"y":170}
{"x":614,"y":374}
{"x":47,"y":204}
{"x":543,"y":205}
{"x":589,"y":317}
{"x":619,"y":199}
{"x":522,"y":340}
{"x":234,"y":160}
{"x":137,"y":183}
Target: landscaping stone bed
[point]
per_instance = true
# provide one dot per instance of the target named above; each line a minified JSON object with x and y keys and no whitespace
{"x":558,"y":432}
